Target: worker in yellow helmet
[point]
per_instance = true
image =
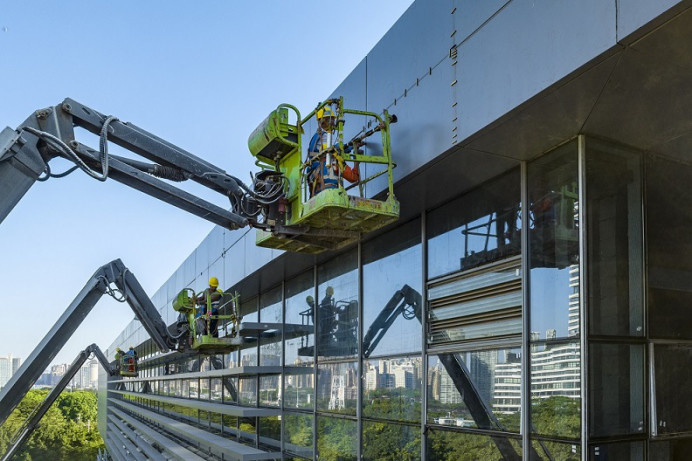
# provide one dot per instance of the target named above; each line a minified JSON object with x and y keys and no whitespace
{"x":118,"y":358}
{"x":325,"y":167}
{"x":210,"y":298}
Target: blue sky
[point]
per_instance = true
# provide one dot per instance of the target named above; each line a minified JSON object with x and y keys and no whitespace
{"x":202,"y":75}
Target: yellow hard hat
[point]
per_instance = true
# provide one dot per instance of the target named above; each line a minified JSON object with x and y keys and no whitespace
{"x":213,"y":282}
{"x":323,"y":112}
{"x":310,"y":300}
{"x":117,"y":349}
{"x":330,"y":291}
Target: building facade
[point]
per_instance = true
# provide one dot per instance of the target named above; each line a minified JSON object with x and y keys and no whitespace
{"x":542,"y":256}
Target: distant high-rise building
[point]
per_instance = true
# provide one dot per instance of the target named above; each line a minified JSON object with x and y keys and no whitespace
{"x":5,"y":369}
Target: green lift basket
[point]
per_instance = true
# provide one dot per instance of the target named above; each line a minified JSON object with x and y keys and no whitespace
{"x":332,"y":218}
{"x":205,"y":342}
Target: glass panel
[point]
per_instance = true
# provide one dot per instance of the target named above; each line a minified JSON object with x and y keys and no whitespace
{"x":555,"y":390}
{"x":194,"y":388}
{"x":386,"y":441}
{"x":544,"y":450}
{"x":216,"y":389}
{"x":670,"y":450}
{"x":392,"y":389}
{"x":617,"y":389}
{"x":248,"y":312}
{"x":204,"y":389}
{"x":672,"y":373}
{"x":337,"y":387}
{"x":668,"y":224}
{"x":615,"y":245}
{"x":478,"y":228}
{"x":230,"y":390}
{"x":247,"y":432}
{"x":299,"y":329}
{"x":247,"y":391}
{"x":631,"y":451}
{"x":270,"y":312}
{"x":300,"y":389}
{"x":495,"y":383}
{"x":336,"y":439}
{"x":298,"y":434}
{"x":392,"y":275}
{"x":270,"y":433}
{"x":554,"y":244}
{"x":447,"y":445}
{"x":337,"y":311}
{"x":270,"y":387}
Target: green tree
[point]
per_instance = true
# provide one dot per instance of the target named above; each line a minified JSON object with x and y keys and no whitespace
{"x":68,"y":430}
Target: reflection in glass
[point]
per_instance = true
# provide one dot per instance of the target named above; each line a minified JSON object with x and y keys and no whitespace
{"x":337,"y":309}
{"x":670,"y":450}
{"x":631,"y":451}
{"x":299,"y":329}
{"x":230,"y":390}
{"x":615,"y":258}
{"x":391,"y":292}
{"x":248,"y":312}
{"x":617,"y":389}
{"x":669,"y":247}
{"x":247,"y":390}
{"x":336,"y":439}
{"x":337,"y":387}
{"x":490,"y":399}
{"x":549,"y":451}
{"x":478,"y":228}
{"x":270,"y":312}
{"x":480,"y":304}
{"x":269,"y":390}
{"x":386,"y":441}
{"x":672,"y":374}
{"x":447,"y":445}
{"x":204,"y":389}
{"x":298,"y":434}
{"x":556,"y":390}
{"x":299,"y":391}
{"x":270,"y":433}
{"x":554,"y":244}
{"x":392,"y":388}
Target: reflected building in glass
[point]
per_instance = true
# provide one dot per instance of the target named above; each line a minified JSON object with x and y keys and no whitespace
{"x":533,"y":300}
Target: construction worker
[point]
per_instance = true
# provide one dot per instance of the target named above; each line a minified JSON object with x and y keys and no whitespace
{"x":131,"y":359}
{"x":209,"y":297}
{"x":119,"y":358}
{"x":325,"y":166}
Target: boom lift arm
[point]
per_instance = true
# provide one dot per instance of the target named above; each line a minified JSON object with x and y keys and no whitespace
{"x":130,"y":291}
{"x":25,"y":431}
{"x":25,"y":154}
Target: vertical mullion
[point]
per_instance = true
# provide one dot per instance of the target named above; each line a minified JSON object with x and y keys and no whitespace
{"x":583,"y":326}
{"x":359,"y":391}
{"x":424,"y":337}
{"x":282,"y":376}
{"x":316,"y":319}
{"x":525,"y":386}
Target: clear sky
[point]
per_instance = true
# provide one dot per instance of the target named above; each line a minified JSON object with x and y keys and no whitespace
{"x":199,"y":74}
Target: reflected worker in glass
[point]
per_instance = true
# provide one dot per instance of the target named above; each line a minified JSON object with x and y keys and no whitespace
{"x":337,"y":323}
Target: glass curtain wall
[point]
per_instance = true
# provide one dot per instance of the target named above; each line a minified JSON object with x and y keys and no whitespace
{"x":616,"y":333}
{"x":475,"y":324}
{"x":555,"y":306}
{"x":669,"y":295}
{"x":391,"y":346}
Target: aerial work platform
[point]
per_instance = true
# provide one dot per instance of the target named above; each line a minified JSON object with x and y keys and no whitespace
{"x":314,"y":218}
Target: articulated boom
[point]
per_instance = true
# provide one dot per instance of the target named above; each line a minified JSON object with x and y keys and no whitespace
{"x":274,"y":203}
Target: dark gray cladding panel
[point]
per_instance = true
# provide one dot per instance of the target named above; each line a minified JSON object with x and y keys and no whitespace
{"x":633,"y":14}
{"x":420,"y":39}
{"x":524,"y":49}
